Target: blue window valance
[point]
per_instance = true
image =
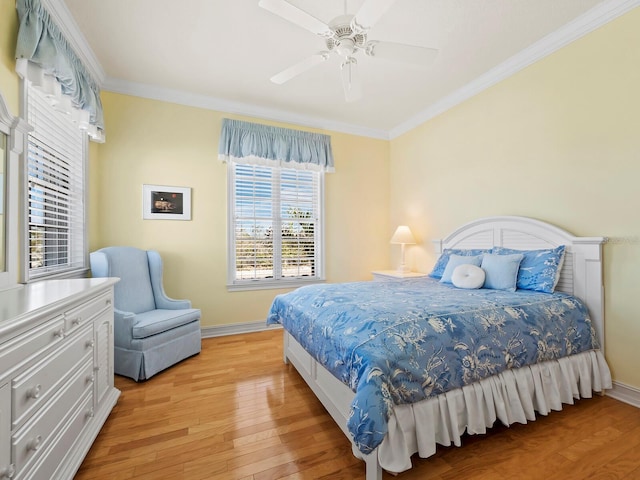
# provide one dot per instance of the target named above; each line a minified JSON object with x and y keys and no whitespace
{"x":45,"y":58}
{"x":246,"y":142}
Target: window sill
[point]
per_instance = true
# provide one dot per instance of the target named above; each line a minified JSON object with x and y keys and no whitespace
{"x":271,"y":284}
{"x":74,"y":273}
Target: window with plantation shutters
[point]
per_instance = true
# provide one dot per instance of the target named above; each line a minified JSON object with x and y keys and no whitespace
{"x":275,"y":226}
{"x":56,"y":241}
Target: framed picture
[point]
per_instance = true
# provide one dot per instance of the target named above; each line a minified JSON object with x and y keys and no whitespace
{"x":160,"y":202}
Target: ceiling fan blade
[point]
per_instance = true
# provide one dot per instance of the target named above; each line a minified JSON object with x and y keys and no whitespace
{"x":399,"y":52}
{"x":351,"y":80}
{"x":369,"y":13}
{"x":300,"y":67}
{"x":295,"y":15}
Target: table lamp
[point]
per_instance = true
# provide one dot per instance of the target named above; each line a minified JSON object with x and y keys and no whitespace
{"x":403,"y":236}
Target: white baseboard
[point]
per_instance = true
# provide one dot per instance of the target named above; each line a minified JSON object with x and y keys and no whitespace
{"x":625,"y":393}
{"x":237,"y":328}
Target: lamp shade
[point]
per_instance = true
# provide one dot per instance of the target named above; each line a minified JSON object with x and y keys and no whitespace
{"x":403,"y":235}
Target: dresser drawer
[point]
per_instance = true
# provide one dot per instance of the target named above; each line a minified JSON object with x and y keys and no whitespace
{"x":19,"y":349}
{"x":78,"y":316}
{"x":49,"y":466}
{"x":33,"y":387}
{"x":38,"y":434}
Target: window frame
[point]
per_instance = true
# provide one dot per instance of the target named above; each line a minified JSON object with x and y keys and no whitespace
{"x":28,"y":274}
{"x":272,"y":283}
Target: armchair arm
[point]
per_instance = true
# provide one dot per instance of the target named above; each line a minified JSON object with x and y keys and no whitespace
{"x":123,"y":327}
{"x":161,"y":298}
{"x":172,"y":304}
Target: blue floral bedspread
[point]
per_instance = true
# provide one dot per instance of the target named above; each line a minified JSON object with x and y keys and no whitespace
{"x":401,"y":342}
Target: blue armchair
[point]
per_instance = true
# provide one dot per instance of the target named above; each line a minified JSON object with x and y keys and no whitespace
{"x":151,"y":331}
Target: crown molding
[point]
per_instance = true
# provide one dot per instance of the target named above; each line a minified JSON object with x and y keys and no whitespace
{"x":586,"y":23}
{"x":66,"y":23}
{"x":180,"y":97}
{"x":580,"y":26}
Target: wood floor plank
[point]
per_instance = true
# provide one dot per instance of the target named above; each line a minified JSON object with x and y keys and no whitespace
{"x":237,"y":412}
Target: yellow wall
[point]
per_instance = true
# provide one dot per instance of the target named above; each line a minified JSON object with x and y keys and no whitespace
{"x":153,"y":142}
{"x":9,"y":84}
{"x":559,"y":141}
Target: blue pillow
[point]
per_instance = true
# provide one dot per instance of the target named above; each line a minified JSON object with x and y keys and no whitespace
{"x":540,"y":269}
{"x":455,"y":260}
{"x":501,"y":271}
{"x":441,"y":264}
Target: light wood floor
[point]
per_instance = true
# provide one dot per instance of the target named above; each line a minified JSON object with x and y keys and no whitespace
{"x":237,"y":412}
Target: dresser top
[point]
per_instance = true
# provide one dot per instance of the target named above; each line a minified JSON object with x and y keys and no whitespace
{"x":25,"y":302}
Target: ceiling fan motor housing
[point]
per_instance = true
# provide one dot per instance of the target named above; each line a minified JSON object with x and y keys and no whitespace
{"x":345,"y":41}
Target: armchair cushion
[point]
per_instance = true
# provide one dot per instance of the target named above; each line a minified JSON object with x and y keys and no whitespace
{"x":158,"y":321}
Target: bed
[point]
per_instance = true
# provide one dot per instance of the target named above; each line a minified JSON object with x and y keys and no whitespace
{"x":405,"y":366}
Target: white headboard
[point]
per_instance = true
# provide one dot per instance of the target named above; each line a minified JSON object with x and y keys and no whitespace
{"x":581,"y":273}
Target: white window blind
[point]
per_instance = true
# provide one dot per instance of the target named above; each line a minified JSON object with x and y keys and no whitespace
{"x":56,"y":195}
{"x":275,"y":222}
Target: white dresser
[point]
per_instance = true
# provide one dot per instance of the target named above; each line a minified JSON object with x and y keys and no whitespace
{"x":56,"y":375}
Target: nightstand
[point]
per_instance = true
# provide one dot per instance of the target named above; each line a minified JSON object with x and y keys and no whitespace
{"x":394,"y":275}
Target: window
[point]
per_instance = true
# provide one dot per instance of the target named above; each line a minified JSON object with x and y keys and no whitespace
{"x":55,"y":165}
{"x":275,"y":226}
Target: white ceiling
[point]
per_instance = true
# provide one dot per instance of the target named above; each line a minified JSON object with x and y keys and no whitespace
{"x":221,"y":53}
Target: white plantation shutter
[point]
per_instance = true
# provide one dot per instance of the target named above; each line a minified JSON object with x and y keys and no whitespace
{"x":299,"y":220}
{"x":56,"y":196}
{"x":276,"y":230}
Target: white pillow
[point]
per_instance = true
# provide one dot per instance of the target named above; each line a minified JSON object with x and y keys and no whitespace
{"x":467,"y":276}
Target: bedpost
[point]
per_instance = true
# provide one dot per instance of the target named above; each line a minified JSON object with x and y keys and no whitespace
{"x":285,"y":346}
{"x":588,"y":280}
{"x":373,"y":469}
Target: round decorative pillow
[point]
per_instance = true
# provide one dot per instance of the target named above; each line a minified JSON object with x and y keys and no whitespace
{"x":467,"y":276}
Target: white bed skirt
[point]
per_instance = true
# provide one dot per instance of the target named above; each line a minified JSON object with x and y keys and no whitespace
{"x":512,"y":396}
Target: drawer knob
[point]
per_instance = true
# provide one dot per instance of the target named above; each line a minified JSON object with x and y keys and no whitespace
{"x":34,"y":443}
{"x":108,"y":301}
{"x":59,"y":333}
{"x":89,"y":344}
{"x":34,"y":392}
{"x":91,"y":378}
{"x":8,"y":472}
{"x":76,"y":321}
{"x":90,"y":413}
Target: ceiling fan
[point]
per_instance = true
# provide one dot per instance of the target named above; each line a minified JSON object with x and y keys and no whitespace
{"x":345,"y":36}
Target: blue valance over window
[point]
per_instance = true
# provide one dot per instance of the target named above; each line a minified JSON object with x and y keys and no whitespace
{"x":45,"y":58}
{"x":246,"y":142}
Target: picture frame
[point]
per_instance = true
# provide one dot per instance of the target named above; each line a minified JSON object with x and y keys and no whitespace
{"x":163,"y":202}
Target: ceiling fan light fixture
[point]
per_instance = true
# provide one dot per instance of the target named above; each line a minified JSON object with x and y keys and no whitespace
{"x":345,"y":47}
